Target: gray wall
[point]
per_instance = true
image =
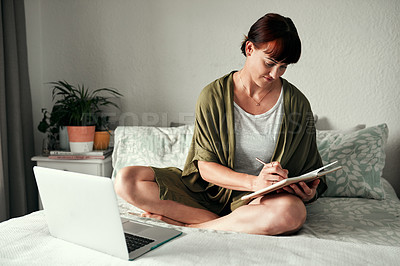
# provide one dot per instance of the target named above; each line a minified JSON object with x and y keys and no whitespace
{"x":160,"y":54}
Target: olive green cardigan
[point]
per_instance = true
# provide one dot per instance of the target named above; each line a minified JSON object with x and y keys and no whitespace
{"x":214,"y":139}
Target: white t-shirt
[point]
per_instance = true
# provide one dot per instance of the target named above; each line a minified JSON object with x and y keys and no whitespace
{"x":256,"y":136}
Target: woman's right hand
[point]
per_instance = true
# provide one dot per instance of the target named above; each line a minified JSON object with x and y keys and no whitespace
{"x":269,"y":175}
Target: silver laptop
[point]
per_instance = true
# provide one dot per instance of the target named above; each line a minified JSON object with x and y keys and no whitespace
{"x":83,"y":209}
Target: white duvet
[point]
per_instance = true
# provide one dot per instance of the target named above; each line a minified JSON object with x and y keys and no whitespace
{"x":338,"y":231}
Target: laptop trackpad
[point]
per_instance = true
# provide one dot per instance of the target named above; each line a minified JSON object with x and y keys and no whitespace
{"x":133,"y":227}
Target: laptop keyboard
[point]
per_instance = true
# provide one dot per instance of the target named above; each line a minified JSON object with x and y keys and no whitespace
{"x":134,"y":242}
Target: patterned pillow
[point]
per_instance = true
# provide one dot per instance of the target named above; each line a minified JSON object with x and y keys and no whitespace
{"x":361,"y":154}
{"x":151,"y":146}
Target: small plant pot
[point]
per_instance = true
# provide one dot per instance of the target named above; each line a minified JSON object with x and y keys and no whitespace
{"x":63,"y":135}
{"x":101,"y":140}
{"x":81,"y":138}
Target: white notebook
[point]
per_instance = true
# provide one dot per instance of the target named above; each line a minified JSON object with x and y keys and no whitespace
{"x":308,"y":177}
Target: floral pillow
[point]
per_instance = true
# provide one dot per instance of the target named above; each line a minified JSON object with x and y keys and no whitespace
{"x":151,"y":146}
{"x":362,"y":156}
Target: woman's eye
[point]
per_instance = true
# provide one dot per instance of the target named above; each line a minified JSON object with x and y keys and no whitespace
{"x":270,"y":64}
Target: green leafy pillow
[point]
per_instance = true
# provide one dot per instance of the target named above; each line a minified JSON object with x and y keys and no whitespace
{"x":362,"y":156}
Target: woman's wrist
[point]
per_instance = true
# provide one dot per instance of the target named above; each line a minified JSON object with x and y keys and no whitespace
{"x":251,"y":182}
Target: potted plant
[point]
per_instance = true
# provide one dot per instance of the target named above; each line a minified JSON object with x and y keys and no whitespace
{"x":59,"y":120}
{"x":102,"y":133}
{"x":50,"y":131}
{"x":78,"y":108}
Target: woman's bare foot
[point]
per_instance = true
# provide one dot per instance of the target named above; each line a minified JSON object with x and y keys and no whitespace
{"x":162,"y":218}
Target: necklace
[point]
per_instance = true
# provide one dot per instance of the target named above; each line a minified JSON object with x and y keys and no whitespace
{"x":248,"y":93}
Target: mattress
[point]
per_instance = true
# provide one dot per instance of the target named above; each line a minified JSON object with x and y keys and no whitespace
{"x":350,"y":231}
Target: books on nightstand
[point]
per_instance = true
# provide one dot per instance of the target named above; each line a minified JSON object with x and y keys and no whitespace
{"x":68,"y":155}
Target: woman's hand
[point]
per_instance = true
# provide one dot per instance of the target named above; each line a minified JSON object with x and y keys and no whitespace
{"x":304,"y":191}
{"x":269,"y":175}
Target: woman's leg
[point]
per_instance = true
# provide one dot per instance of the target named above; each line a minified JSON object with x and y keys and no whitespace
{"x":275,"y":214}
{"x":137,"y":185}
{"x":269,"y":215}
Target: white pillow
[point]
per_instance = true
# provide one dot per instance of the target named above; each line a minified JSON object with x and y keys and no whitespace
{"x":151,"y":146}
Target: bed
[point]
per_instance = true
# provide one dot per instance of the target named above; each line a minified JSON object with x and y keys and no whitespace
{"x":356,"y":222}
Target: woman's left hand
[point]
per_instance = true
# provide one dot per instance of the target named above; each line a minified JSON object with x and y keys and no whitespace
{"x":304,"y":191}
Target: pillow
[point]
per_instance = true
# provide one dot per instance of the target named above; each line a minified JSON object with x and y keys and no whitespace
{"x":347,"y":130}
{"x":361,"y":154}
{"x":151,"y":146}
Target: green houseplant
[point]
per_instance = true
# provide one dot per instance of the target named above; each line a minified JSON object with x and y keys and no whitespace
{"x":77,"y":107}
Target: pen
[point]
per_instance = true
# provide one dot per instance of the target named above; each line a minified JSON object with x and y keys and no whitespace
{"x":264,"y":163}
{"x":258,"y":159}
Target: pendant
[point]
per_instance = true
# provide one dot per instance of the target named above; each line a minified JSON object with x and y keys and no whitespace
{"x":257,"y":104}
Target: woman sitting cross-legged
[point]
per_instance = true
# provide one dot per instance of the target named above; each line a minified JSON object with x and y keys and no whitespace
{"x":245,"y":114}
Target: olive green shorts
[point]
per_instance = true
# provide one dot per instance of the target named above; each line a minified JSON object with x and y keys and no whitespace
{"x":172,"y":188}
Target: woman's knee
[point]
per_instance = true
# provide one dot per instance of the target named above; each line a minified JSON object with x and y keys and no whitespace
{"x":285,"y":214}
{"x":128,"y":177}
{"x":293,"y":213}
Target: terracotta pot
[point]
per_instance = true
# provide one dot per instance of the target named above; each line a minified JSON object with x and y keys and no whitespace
{"x":81,"y":138}
{"x":101,"y":140}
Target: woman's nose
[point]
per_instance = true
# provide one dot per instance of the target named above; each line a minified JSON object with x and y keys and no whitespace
{"x":277,"y":71}
{"x":274,"y":73}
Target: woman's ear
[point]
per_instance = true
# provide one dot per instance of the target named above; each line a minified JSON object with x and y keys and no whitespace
{"x":249,"y":48}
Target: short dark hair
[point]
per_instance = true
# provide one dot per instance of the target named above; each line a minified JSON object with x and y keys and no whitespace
{"x":280,"y":32}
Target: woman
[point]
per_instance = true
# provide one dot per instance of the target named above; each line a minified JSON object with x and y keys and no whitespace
{"x":245,"y":114}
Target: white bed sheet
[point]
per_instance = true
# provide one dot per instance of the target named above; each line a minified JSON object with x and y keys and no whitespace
{"x":356,"y":220}
{"x":338,"y":231}
{"x":28,"y":243}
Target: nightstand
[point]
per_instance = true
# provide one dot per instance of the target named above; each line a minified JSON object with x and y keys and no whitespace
{"x":92,"y":167}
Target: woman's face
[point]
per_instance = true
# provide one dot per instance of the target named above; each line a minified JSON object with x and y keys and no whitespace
{"x":263,"y":68}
